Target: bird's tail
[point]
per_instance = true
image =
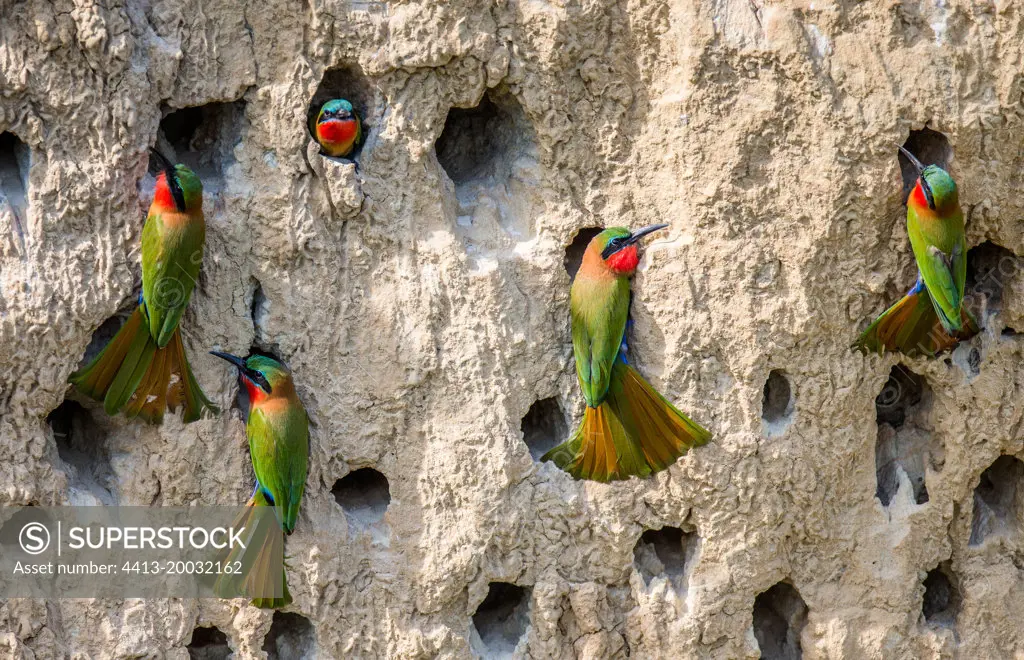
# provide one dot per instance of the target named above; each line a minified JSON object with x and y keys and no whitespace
{"x":132,"y":374}
{"x":262,"y":575}
{"x":912,"y":327}
{"x":634,"y":432}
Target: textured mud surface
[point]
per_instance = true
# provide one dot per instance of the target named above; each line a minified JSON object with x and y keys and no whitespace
{"x":422,"y":302}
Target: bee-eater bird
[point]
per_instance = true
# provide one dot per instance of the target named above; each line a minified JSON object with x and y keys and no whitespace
{"x":278,"y":432}
{"x":338,"y":129}
{"x":133,"y":372}
{"x":931,"y":317}
{"x":628,"y":428}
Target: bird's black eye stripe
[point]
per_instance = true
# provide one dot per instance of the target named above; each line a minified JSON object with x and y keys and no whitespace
{"x":176,"y":191}
{"x":929,"y":196}
{"x":259,"y":379}
{"x":612,"y":247}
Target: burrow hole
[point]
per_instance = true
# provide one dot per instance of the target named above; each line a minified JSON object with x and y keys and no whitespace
{"x":931,"y":148}
{"x":667,"y":552}
{"x":15,"y":159}
{"x":291,"y":637}
{"x":544,"y":427}
{"x":905,"y":439}
{"x":79,"y":439}
{"x":490,"y":152}
{"x":501,"y":620}
{"x":990,"y":269}
{"x":350,"y":83}
{"x":103,"y":334}
{"x":776,"y":403}
{"x":204,"y":138}
{"x":779,"y":617}
{"x":941,"y":602}
{"x":208,"y":643}
{"x":363,"y":494}
{"x":259,"y":310}
{"x":997,"y":500}
{"x":574,"y":253}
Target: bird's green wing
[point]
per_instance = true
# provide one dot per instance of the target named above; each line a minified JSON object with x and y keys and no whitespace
{"x":941,"y":258}
{"x":172,"y":254}
{"x":599,"y":313}
{"x":279,"y":448}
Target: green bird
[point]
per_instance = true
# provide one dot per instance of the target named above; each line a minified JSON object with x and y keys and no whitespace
{"x":338,"y":129}
{"x":278,"y":432}
{"x":133,"y":372}
{"x":628,"y":428}
{"x":932,"y":317}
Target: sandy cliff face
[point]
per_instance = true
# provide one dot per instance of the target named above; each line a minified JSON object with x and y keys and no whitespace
{"x":847,"y":507}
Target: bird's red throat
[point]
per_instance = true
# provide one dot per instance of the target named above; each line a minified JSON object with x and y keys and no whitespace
{"x":917,"y":197}
{"x":335,"y":131}
{"x":625,"y":260}
{"x":256,"y":393}
{"x":162,"y":194}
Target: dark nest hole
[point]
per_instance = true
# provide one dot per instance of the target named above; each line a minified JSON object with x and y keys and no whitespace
{"x":80,"y":445}
{"x":15,"y":160}
{"x":777,"y":402}
{"x":208,"y":643}
{"x":905,"y":438}
{"x":202,"y":137}
{"x":941,"y":603}
{"x":291,"y":637}
{"x":544,"y":427}
{"x":103,"y":334}
{"x":501,"y":620}
{"x":575,"y":251}
{"x":350,"y":83}
{"x":779,"y":617}
{"x":363,"y":494}
{"x":931,"y":148}
{"x":668,"y":552}
{"x":484,"y":141}
{"x":990,"y":269}
{"x":997,"y":505}
{"x":259,"y":311}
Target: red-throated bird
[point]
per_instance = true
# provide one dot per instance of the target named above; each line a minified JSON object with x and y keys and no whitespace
{"x":133,"y":372}
{"x":278,"y":432}
{"x":931,"y":317}
{"x":628,"y":428}
{"x":338,"y":129}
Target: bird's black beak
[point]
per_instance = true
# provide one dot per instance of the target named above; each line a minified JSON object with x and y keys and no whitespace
{"x":640,"y":233}
{"x":233,"y":359}
{"x":920,"y":175}
{"x":251,"y":374}
{"x":165,"y":164}
{"x":912,"y":158}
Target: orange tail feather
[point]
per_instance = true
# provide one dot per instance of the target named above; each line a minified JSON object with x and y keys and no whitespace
{"x":263,"y":576}
{"x":912,"y":327}
{"x":634,"y":432}
{"x":132,"y":375}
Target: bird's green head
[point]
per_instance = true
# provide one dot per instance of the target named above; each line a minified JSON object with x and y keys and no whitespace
{"x":616,"y":249}
{"x":177,"y":187}
{"x":263,"y":376}
{"x":335,"y":109}
{"x":935,"y":190}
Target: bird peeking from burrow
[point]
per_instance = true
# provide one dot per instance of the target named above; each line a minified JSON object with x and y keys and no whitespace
{"x":338,"y":129}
